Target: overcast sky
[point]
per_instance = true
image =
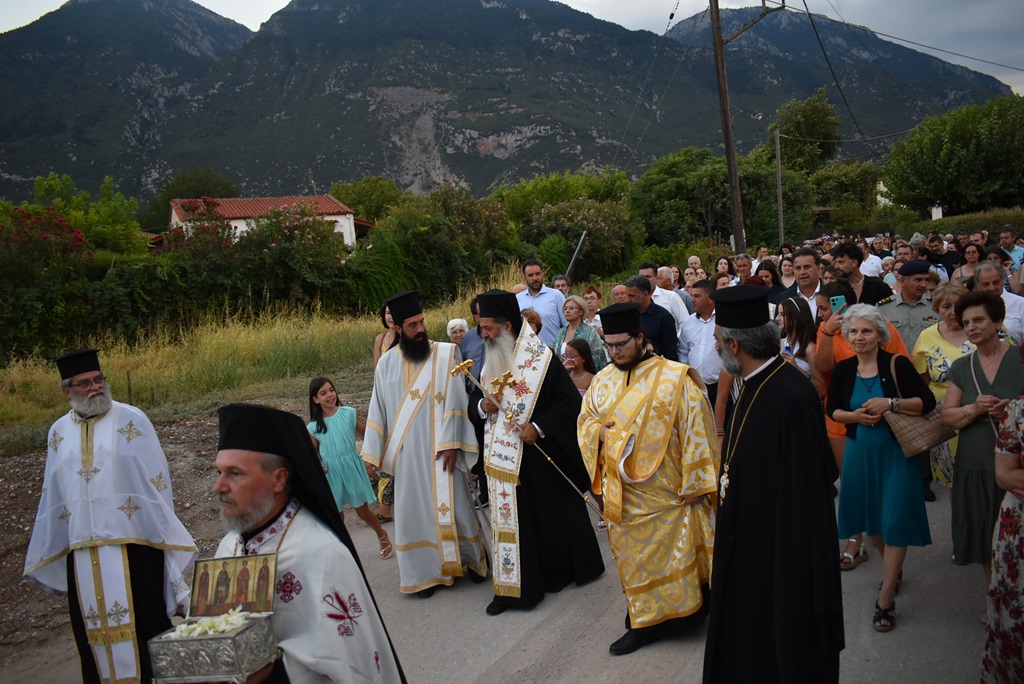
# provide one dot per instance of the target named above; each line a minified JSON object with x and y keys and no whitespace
{"x":987,"y":29}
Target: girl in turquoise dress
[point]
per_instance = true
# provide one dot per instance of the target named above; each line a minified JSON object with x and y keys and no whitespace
{"x":333,"y":429}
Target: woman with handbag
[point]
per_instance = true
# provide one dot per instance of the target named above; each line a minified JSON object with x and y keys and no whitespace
{"x":980,"y":386}
{"x":881,"y":487}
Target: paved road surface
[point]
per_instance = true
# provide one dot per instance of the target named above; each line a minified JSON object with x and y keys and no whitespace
{"x":449,"y":638}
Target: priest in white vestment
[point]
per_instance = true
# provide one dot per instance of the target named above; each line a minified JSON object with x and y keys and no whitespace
{"x":106,"y":533}
{"x":275,"y":499}
{"x":418,"y":429}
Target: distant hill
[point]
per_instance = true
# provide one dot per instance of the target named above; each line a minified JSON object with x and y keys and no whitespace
{"x":474,"y":92}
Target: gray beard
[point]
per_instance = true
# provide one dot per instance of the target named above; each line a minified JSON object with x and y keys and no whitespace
{"x":240,"y":524}
{"x":500,"y":356}
{"x":91,"y":406}
{"x":730,"y":363}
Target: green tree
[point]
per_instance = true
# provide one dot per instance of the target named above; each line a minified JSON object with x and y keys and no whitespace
{"x":670,"y":200}
{"x":810,"y":131}
{"x":968,"y":159}
{"x":521,"y":201}
{"x":186,"y":184}
{"x":109,"y":222}
{"x":370,"y":198}
{"x":481,"y":227}
{"x":847,"y":182}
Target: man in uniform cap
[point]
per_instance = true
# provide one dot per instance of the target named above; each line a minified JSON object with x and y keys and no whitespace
{"x":784,"y":621}
{"x":275,"y":498}
{"x":542,"y":538}
{"x":418,"y":430}
{"x":106,"y":481}
{"x":648,"y":441}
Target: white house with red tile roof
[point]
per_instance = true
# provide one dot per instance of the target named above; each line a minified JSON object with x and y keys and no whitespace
{"x":238,"y":210}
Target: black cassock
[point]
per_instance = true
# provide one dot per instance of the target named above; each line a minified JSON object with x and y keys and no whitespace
{"x":776,"y":596}
{"x":557,"y":542}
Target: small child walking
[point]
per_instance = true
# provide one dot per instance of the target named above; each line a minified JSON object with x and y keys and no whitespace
{"x":333,"y":429}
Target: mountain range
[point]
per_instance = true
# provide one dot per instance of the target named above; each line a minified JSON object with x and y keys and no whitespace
{"x":472,"y":92}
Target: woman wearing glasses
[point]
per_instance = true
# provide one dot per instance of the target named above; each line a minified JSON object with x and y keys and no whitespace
{"x":575,"y":328}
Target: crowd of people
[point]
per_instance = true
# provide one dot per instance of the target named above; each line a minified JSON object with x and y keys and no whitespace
{"x":704,"y":418}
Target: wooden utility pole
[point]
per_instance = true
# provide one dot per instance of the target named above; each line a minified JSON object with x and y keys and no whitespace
{"x":739,"y":235}
{"x":778,"y":183}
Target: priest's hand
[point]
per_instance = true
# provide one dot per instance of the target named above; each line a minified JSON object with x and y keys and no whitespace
{"x":604,"y":430}
{"x":488,"y":406}
{"x":528,"y":433}
{"x":449,"y":459}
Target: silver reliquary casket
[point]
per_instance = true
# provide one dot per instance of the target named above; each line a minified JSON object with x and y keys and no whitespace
{"x":228,"y":635}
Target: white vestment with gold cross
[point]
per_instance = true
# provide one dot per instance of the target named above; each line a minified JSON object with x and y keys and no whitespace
{"x":417,"y":410}
{"x":106,"y":485}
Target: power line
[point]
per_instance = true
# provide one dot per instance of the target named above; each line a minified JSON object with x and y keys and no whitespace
{"x":839,"y":140}
{"x":832,"y":71}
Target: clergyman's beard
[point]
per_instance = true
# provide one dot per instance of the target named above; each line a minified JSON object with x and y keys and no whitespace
{"x":730,"y":363}
{"x":246,"y":521}
{"x":632,"y":363}
{"x":415,"y":348}
{"x":500,"y":355}
{"x":95,"y":405}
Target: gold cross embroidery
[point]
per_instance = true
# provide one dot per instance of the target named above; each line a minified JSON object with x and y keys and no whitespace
{"x":92,"y":617}
{"x":158,"y":482}
{"x":130,"y":432}
{"x":661,"y":411}
{"x":499,"y":384}
{"x":415,"y":395}
{"x":128,"y":507}
{"x":55,"y":440}
{"x":65,"y":515}
{"x":439,"y":398}
{"x":88,"y":473}
{"x":442,"y":509}
{"x":117,"y":613}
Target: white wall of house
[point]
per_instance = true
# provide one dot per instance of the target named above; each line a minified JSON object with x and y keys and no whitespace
{"x":343,"y":223}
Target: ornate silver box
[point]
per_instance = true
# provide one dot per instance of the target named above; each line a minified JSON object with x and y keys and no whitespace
{"x":228,"y":657}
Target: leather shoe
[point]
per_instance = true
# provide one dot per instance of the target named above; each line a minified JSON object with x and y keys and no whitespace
{"x":495,"y":608}
{"x":475,"y":577}
{"x":929,"y":495}
{"x":425,"y":593}
{"x":633,"y":640}
{"x":556,"y":587}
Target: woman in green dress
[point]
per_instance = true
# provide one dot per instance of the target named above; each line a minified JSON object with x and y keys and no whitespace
{"x":981,"y":384}
{"x":574,"y":311}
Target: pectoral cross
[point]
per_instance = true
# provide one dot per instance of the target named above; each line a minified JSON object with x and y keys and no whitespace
{"x":499,"y":384}
{"x":724,"y":480}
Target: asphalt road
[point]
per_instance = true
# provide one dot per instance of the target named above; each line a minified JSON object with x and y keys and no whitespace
{"x":449,"y":637}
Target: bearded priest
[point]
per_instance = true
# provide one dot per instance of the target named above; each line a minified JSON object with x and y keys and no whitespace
{"x":417,"y":429}
{"x":541,"y":534}
{"x":648,"y":440}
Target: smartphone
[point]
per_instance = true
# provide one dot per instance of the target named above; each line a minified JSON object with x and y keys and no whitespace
{"x":837,"y":302}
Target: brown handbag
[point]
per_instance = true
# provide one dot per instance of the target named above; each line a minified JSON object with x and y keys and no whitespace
{"x":917,"y":434}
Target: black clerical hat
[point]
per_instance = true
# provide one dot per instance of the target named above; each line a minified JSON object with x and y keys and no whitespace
{"x":620,"y":318}
{"x":260,"y":428}
{"x":403,"y":305}
{"x":499,"y":304}
{"x":78,"y":361}
{"x":743,"y":306}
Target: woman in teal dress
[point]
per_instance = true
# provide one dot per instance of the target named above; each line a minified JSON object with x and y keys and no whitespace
{"x":333,"y":429}
{"x":881,"y":490}
{"x":994,"y":369}
{"x":574,"y":309}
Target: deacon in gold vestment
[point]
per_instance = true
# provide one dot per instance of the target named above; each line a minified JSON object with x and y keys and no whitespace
{"x":648,"y":440}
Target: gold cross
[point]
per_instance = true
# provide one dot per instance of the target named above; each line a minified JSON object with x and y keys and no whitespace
{"x":499,"y":384}
{"x":116,"y":613}
{"x":92,"y":617}
{"x":55,"y":440}
{"x":462,"y":368}
{"x":128,"y":507}
{"x":439,"y":397}
{"x":88,"y":473}
{"x":443,"y":509}
{"x":130,"y":432}
{"x":158,"y":482}
{"x":724,"y":480}
{"x":661,"y":411}
{"x":65,"y":515}
{"x":415,"y":395}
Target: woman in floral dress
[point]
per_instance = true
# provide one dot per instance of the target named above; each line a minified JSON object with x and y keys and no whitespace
{"x":1003,"y":658}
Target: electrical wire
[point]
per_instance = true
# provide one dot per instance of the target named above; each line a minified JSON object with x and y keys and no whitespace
{"x":832,"y":71}
{"x":884,"y":136}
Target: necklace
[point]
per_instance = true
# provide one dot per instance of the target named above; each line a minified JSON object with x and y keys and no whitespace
{"x":731,"y":451}
{"x":869,"y":385}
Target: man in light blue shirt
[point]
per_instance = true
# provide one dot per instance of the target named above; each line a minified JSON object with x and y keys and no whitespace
{"x":546,"y":301}
{"x":1008,"y":243}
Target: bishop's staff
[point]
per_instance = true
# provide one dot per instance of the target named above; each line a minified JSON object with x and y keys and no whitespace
{"x":506,"y":381}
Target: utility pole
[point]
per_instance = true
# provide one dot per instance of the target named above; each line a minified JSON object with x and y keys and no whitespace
{"x":739,"y":236}
{"x":778,"y":183}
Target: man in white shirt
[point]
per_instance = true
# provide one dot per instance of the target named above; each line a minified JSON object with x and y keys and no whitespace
{"x":805,"y":268}
{"x":989,"y":278}
{"x":697,"y":339}
{"x":546,"y":301}
{"x":666,"y":299}
{"x":872,"y":265}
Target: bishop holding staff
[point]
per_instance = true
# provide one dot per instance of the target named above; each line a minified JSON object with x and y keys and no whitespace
{"x":418,"y":430}
{"x":105,"y":532}
{"x":648,"y":441}
{"x":542,"y":538}
{"x":776,"y":599}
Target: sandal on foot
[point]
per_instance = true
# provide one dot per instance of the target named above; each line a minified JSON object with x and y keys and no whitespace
{"x":848,"y":561}
{"x":883,"y":616}
{"x":384,"y":518}
{"x":385,"y":546}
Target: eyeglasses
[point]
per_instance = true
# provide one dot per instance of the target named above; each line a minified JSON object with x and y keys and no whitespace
{"x":590,"y":298}
{"x":100,"y":379}
{"x":618,"y":346}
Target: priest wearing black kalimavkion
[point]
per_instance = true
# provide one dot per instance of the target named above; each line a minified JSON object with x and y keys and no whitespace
{"x":275,"y":498}
{"x":542,"y":537}
{"x":776,"y":598}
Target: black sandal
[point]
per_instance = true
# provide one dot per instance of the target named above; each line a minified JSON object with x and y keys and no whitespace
{"x":883,"y":615}
{"x":896,"y":591}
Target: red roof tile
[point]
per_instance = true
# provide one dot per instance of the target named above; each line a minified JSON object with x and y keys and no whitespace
{"x":250,"y":207}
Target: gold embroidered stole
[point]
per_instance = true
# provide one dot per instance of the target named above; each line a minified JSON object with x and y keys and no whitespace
{"x":643,"y":416}
{"x":503,"y":458}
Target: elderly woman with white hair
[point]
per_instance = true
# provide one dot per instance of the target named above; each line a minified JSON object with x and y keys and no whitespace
{"x":881,"y":488}
{"x":457,"y":328}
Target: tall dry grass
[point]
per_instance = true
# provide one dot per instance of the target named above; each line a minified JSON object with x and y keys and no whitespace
{"x":175,"y":374}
